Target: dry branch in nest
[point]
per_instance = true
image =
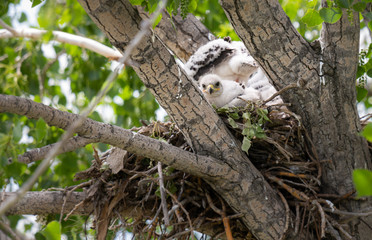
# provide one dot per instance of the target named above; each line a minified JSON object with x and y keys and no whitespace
{"x":171,"y":204}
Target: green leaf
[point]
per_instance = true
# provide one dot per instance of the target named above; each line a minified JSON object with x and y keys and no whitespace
{"x":363,"y":182}
{"x":234,"y":115}
{"x":367,"y":132}
{"x":361,"y":70}
{"x":369,"y":72}
{"x":47,"y":36}
{"x":359,"y":6}
{"x":312,"y":18}
{"x":344,"y":3}
{"x":157,"y":20}
{"x":370,"y":24}
{"x":136,"y":2}
{"x":330,"y":15}
{"x":192,"y":5}
{"x":41,"y":129}
{"x":232,"y":122}
{"x":35,"y":3}
{"x":361,"y":93}
{"x":368,"y":15}
{"x":52,"y":231}
{"x":17,"y":131}
{"x":246,"y":116}
{"x":246,"y":144}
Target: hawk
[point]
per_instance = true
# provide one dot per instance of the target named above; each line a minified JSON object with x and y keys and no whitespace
{"x":231,"y":61}
{"x":226,"y":93}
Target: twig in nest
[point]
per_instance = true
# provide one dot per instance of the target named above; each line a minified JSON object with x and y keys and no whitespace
{"x":153,"y":222}
{"x":286,"y":215}
{"x":297,"y":223}
{"x":285,"y":153}
{"x":345,"y":213}
{"x":345,"y":196}
{"x":238,"y":215}
{"x":290,"y":86}
{"x":81,"y":185}
{"x":222,"y":213}
{"x":339,"y":227}
{"x":162,"y":195}
{"x":184,"y":210}
{"x":226,"y":222}
{"x":322,"y":218}
{"x":294,"y":192}
{"x":332,"y":231}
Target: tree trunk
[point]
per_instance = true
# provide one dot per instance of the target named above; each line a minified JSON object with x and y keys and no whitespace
{"x":325,"y":99}
{"x":247,"y":192}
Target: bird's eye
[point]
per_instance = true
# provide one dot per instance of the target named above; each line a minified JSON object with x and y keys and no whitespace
{"x":217,"y":84}
{"x":203,"y":85}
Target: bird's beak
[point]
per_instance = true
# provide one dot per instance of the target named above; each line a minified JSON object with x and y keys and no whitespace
{"x":211,"y":88}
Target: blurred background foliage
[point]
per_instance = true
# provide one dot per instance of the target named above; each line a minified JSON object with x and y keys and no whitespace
{"x":67,"y":77}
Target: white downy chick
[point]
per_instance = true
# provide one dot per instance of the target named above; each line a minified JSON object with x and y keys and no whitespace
{"x":226,"y":93}
{"x":230,"y":60}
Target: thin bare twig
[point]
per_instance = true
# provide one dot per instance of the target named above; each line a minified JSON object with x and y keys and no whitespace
{"x":290,"y":86}
{"x":287,"y":212}
{"x":81,"y":185}
{"x":184,"y":210}
{"x":4,"y":225}
{"x":345,"y":213}
{"x":162,"y":195}
{"x":322,"y":218}
{"x":39,"y":153}
{"x":7,"y":27}
{"x":340,"y":228}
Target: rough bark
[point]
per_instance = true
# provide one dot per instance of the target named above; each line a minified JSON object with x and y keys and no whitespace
{"x":48,"y":202}
{"x":198,"y":165}
{"x":251,"y":195}
{"x":326,"y":98}
{"x":182,"y":36}
{"x":39,"y":203}
{"x":346,"y":150}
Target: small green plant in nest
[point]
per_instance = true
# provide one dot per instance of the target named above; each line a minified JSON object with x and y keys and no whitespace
{"x":248,"y":121}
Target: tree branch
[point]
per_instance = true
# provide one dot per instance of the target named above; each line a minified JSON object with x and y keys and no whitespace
{"x":51,"y":202}
{"x":39,"y":203}
{"x":119,"y":137}
{"x":40,"y":153}
{"x":63,"y":37}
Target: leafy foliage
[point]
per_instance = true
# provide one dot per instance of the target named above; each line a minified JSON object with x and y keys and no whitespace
{"x":69,"y":83}
{"x":74,"y":78}
{"x":249,"y":120}
{"x":362,"y":179}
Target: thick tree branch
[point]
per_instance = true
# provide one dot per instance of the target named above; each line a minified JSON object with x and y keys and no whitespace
{"x":51,"y":202}
{"x":39,"y":203}
{"x":141,"y":145}
{"x":201,"y":126}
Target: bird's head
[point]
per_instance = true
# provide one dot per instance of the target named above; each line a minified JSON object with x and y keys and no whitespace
{"x":211,"y":84}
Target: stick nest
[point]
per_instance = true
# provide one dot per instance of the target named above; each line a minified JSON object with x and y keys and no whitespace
{"x":279,"y":146}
